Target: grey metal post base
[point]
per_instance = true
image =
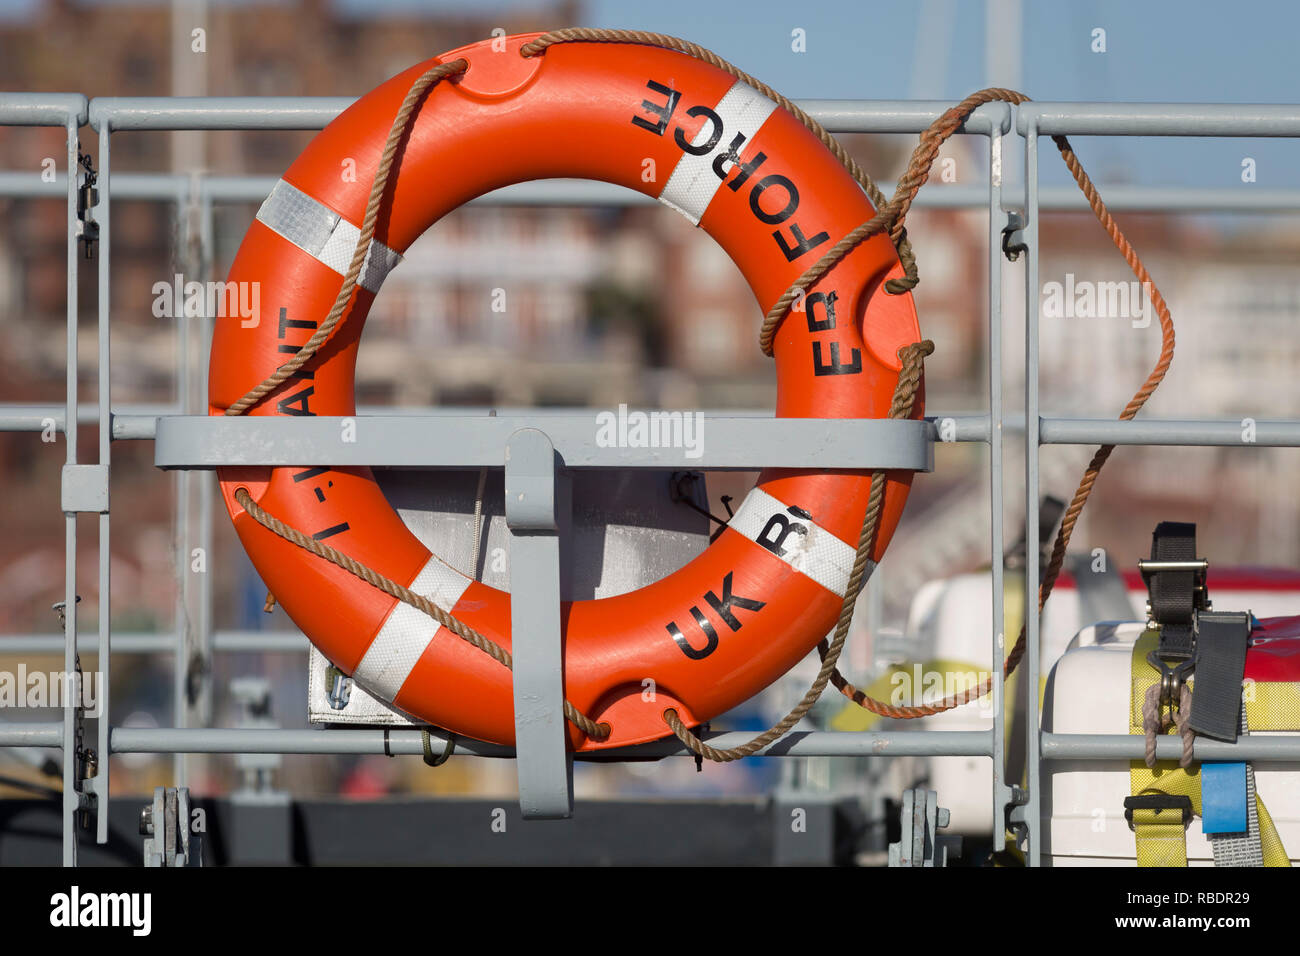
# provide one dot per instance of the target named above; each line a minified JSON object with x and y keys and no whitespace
{"x":165,"y":824}
{"x":544,"y":762}
{"x":920,"y":844}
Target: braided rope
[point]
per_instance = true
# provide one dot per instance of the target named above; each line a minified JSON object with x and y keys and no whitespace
{"x":596,"y":35}
{"x":597,"y":731}
{"x":1100,"y":457}
{"x":396,"y":132}
{"x":889,"y":217}
{"x":401,"y":123}
{"x":909,"y":381}
{"x":1154,"y":722}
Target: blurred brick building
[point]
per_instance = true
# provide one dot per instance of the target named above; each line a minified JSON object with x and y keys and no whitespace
{"x":603,"y":305}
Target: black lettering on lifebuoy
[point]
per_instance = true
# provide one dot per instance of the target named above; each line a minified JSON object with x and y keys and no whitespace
{"x":835,"y":366}
{"x":722,"y":606}
{"x":783,"y":527}
{"x":287,"y":323}
{"x":310,"y":473}
{"x":296,"y":404}
{"x":801,"y":245}
{"x":710,"y":636}
{"x":663,"y":110}
{"x":791,"y":204}
{"x":827,"y":300}
{"x":728,"y":600}
{"x":732,"y":155}
{"x":714,"y":136}
{"x":745,"y":170}
{"x":331,"y":531}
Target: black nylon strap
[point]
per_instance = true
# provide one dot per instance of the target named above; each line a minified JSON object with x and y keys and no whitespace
{"x":1173,"y":593}
{"x":1221,"y":645}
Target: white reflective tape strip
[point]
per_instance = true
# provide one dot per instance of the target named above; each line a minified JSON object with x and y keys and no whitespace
{"x":323,"y":234}
{"x":794,"y":538}
{"x":693,"y":182}
{"x":397,"y":647}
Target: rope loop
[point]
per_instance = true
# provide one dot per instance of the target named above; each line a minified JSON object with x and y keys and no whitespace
{"x":909,"y":380}
{"x":597,"y":731}
{"x":889,"y":218}
{"x":432,"y":759}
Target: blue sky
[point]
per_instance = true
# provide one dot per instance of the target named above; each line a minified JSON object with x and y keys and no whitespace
{"x":1157,"y":50}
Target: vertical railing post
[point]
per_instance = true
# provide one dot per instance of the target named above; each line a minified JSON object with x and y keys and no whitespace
{"x":70,"y":807}
{"x":533,"y":517}
{"x":99,"y":784}
{"x":1029,"y":676}
{"x":181,"y":487}
{"x":997,"y":222}
{"x":206,"y":481}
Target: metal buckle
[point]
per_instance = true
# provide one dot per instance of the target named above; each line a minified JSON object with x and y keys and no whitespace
{"x":1171,"y":680}
{"x":1149,"y":567}
{"x":1158,"y":802}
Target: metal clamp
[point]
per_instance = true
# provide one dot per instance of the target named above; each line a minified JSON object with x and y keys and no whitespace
{"x":1013,"y":237}
{"x":1149,"y":567}
{"x":84,"y":489}
{"x":87,"y":199}
{"x":920,"y":844}
{"x":166,"y":825}
{"x":1171,"y":680}
{"x":1158,"y":802}
{"x":1176,"y":593}
{"x":339,"y":691}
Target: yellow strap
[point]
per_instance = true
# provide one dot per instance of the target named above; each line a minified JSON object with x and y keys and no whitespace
{"x":1272,"y":705}
{"x":1161,"y":837}
{"x":1154,"y":839}
{"x":1270,"y":841}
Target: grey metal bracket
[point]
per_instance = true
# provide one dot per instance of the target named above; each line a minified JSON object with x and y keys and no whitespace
{"x":535,"y":514}
{"x":165,"y":824}
{"x":1013,"y":237}
{"x":85,"y":489}
{"x":726,"y":442}
{"x":87,"y":231}
{"x":920,"y":845}
{"x":340,"y":688}
{"x":1017,"y":812}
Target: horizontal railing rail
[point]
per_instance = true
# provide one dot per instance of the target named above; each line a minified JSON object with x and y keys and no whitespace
{"x":189,"y":441}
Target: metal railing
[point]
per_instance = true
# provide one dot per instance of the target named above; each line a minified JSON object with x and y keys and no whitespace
{"x":184,"y":437}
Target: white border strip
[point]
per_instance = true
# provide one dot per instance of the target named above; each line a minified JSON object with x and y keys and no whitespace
{"x":323,"y":234}
{"x":794,"y":538}
{"x":693,"y":183}
{"x":397,"y":647}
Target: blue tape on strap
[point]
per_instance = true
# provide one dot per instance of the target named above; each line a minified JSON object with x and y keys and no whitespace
{"x":1223,"y":797}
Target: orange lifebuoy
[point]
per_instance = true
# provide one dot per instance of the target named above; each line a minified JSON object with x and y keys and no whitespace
{"x":750,"y":174}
